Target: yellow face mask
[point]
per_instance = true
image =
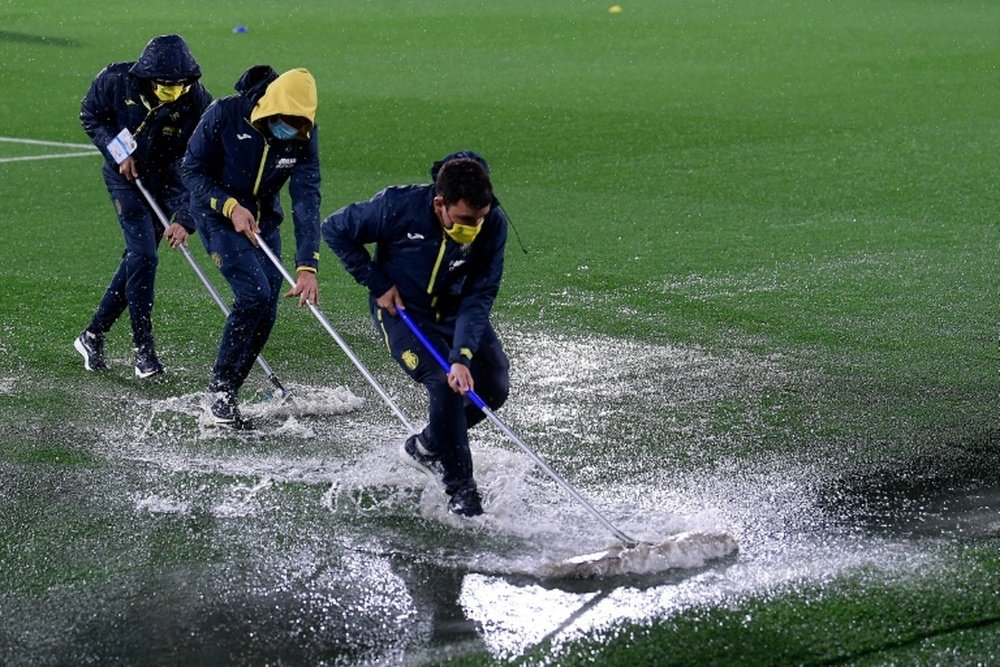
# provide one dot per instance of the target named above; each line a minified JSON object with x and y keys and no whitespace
{"x":168,"y":93}
{"x":463,"y":234}
{"x":459,"y":233}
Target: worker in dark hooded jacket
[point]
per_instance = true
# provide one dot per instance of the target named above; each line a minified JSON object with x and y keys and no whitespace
{"x":245,"y":149}
{"x":159,"y":99}
{"x":439,"y":253}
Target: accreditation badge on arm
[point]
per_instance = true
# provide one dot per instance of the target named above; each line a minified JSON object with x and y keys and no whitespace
{"x":122,"y":145}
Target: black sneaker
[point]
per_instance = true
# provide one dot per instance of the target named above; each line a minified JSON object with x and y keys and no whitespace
{"x":146,"y":364}
{"x":226,"y":412}
{"x":466,"y":502}
{"x":414,"y":454}
{"x":91,"y":346}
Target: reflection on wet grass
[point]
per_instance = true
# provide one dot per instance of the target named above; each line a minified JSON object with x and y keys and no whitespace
{"x":951,"y":615}
{"x":917,"y":494}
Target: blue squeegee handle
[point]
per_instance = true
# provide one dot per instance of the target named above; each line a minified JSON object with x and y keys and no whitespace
{"x":479,"y":403}
{"x":442,"y":362}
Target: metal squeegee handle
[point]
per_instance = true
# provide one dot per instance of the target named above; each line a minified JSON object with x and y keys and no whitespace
{"x":204,"y":280}
{"x":340,"y":341}
{"x":479,"y":403}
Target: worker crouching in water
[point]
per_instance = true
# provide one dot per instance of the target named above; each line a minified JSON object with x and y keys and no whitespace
{"x":439,"y":253}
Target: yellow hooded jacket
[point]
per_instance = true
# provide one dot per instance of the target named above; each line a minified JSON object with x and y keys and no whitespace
{"x":219,"y":166}
{"x":291,"y":94}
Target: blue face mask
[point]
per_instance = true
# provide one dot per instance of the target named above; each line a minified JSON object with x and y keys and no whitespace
{"x":280,"y":129}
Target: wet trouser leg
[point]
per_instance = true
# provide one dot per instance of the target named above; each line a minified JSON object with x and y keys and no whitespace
{"x":491,"y":372}
{"x":256,"y":285}
{"x":449,"y":414}
{"x":132,"y":285}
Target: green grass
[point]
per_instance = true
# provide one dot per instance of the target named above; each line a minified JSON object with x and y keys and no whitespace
{"x":814,"y":180}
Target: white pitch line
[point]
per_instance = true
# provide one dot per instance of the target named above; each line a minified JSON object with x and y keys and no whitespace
{"x":39,"y":142}
{"x":48,"y":157}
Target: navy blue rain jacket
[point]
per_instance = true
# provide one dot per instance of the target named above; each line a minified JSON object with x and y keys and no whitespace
{"x":121,"y":96}
{"x":436,"y":277}
{"x":229,"y":157}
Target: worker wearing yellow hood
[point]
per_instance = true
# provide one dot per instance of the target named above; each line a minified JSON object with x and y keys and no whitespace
{"x":246,"y":147}
{"x":288,"y":106}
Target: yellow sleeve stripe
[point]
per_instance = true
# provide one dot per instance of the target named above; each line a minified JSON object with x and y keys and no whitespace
{"x":228,"y":206}
{"x":466,"y":352}
{"x":310,"y":269}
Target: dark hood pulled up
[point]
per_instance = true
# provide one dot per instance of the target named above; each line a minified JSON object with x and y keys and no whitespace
{"x":168,"y":58}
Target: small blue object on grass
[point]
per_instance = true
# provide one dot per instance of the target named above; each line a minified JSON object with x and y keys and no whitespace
{"x":240,"y":29}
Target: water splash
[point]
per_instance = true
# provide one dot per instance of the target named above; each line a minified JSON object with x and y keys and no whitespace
{"x":160,"y":505}
{"x":652,"y":465}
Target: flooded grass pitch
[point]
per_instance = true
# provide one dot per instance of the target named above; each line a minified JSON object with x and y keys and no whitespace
{"x":758,"y":297}
{"x":143,"y":534}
